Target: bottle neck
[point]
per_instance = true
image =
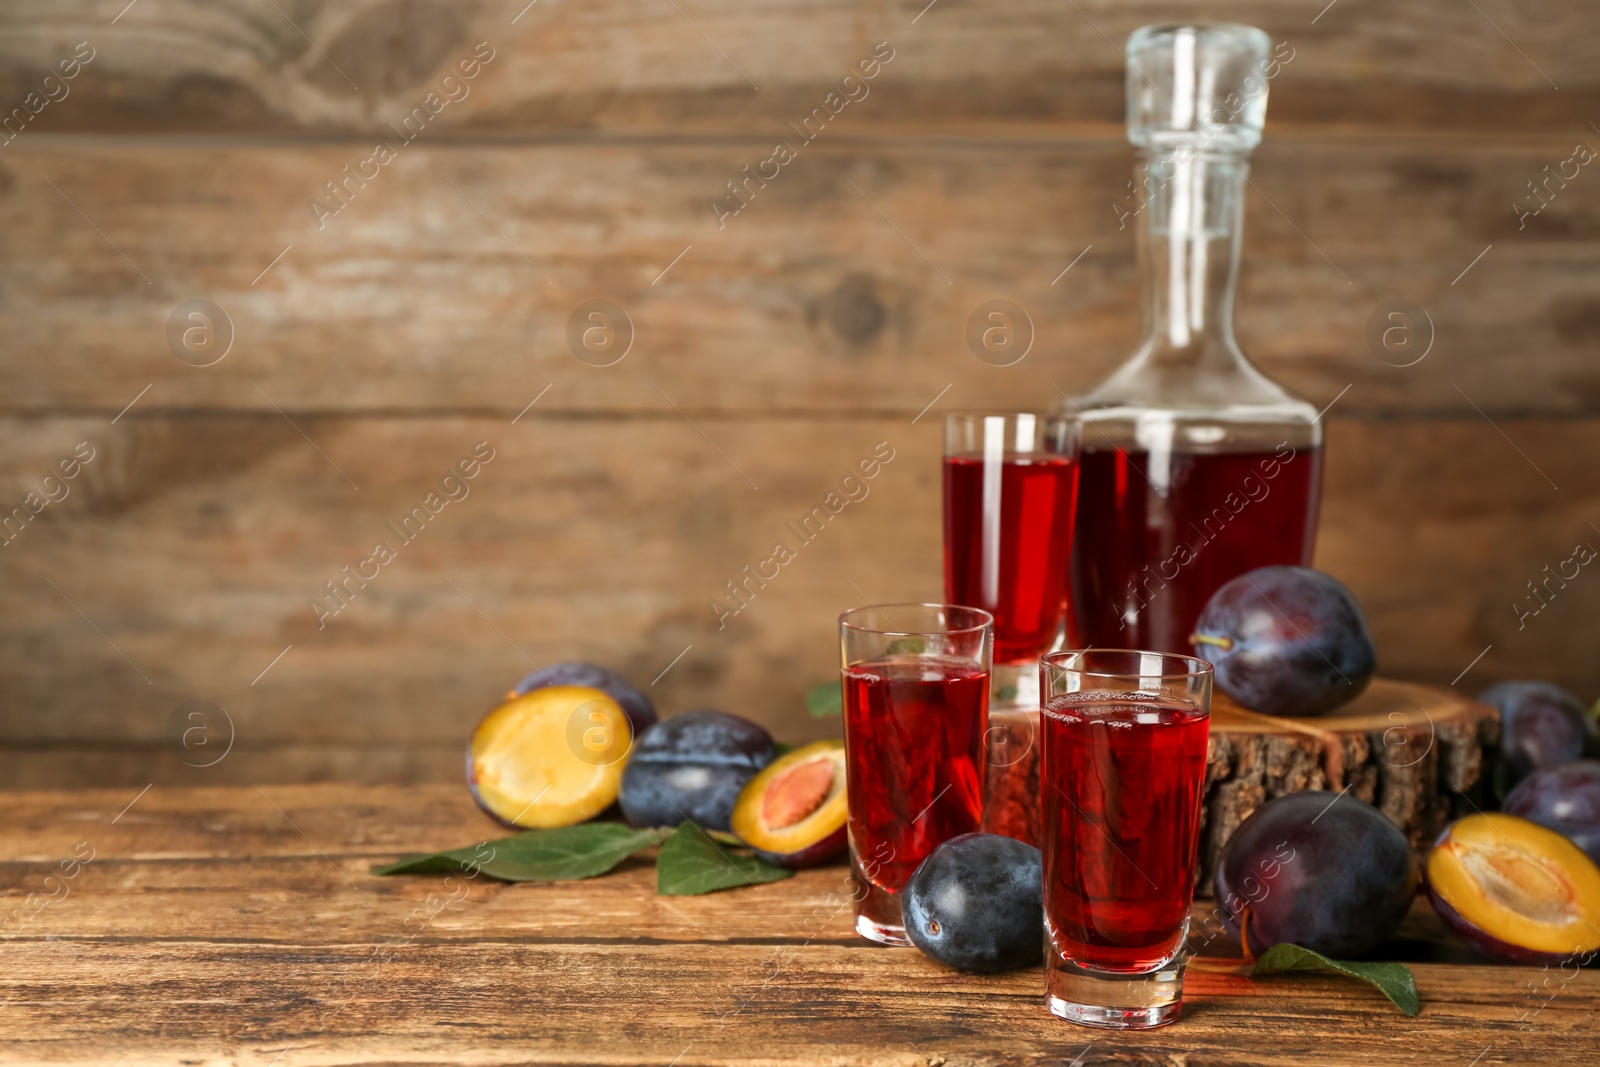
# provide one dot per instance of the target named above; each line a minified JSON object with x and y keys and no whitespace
{"x":1188,"y":240}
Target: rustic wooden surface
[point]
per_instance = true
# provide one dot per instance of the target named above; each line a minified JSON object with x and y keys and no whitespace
{"x":241,"y":926}
{"x":433,"y":308}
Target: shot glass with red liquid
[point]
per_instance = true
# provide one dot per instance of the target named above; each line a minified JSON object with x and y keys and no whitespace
{"x":1124,"y":760}
{"x":1010,"y":487}
{"x":916,"y":704}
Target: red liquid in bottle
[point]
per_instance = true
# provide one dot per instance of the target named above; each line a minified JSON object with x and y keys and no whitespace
{"x":1007,"y":551}
{"x":914,"y":760}
{"x":1153,"y":545}
{"x":1123,"y":779}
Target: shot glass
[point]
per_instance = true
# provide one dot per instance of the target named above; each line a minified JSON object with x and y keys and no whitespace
{"x":916,"y":702}
{"x":1124,"y":759}
{"x":1010,"y":489}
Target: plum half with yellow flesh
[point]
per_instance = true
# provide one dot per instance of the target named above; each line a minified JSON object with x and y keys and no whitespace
{"x":793,"y":813}
{"x":635,"y":702}
{"x":1515,"y":889}
{"x":551,"y":757}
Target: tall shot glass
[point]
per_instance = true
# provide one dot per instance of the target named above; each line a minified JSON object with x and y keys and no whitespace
{"x":1124,"y":759}
{"x":916,"y":702}
{"x":1010,"y":489}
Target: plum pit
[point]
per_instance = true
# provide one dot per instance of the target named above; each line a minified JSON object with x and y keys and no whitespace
{"x":1511,"y":881}
{"x":794,"y":812}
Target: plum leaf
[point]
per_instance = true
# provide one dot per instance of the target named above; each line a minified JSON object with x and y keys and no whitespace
{"x":691,"y":863}
{"x":563,"y":854}
{"x":824,"y":700}
{"x":1393,"y":980}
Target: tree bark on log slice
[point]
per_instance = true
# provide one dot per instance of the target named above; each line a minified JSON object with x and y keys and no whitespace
{"x":1409,"y":750}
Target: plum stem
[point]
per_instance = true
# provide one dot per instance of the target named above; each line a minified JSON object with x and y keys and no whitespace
{"x":1224,"y":643}
{"x":1244,"y":933}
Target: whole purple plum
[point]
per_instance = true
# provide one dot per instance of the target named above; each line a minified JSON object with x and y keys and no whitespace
{"x":1321,"y":870}
{"x":1564,"y":798}
{"x":1286,"y":641}
{"x":976,"y":904}
{"x":1540,"y":725}
{"x":692,"y":766}
{"x":635,"y":704}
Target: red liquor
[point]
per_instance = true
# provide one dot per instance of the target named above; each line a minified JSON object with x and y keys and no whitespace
{"x":1202,"y":467}
{"x":914,"y":759}
{"x":1007,"y":539}
{"x":1154,"y":542}
{"x":1122,"y":835}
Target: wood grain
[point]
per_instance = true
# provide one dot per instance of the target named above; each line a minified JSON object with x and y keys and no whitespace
{"x":448,"y":282}
{"x":228,"y":925}
{"x":718,"y":66}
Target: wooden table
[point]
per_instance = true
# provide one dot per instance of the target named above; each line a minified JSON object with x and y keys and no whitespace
{"x":240,"y":926}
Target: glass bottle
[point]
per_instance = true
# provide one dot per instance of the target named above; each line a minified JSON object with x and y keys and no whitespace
{"x":1195,"y":467}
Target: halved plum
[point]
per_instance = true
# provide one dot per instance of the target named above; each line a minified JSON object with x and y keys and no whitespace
{"x":1516,"y":890}
{"x":793,"y":813}
{"x":635,"y":701}
{"x":552,"y":757}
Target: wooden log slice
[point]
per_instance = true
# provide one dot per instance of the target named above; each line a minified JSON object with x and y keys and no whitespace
{"x":1412,"y":751}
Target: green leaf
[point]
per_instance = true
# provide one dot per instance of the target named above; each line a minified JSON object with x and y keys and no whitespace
{"x":781,"y":747}
{"x":1394,"y":980}
{"x":566,"y":853}
{"x":825,"y":700}
{"x":691,"y":863}
{"x":1006,"y":694}
{"x":900,"y":646}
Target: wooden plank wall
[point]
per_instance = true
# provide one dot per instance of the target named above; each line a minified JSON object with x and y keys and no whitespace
{"x":375,"y":346}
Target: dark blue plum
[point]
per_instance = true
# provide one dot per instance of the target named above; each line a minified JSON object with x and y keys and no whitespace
{"x":1564,"y":798}
{"x":1540,"y":725}
{"x":692,"y":766}
{"x":635,"y":704}
{"x":977,"y":904}
{"x":1320,"y":870}
{"x":1286,"y":641}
